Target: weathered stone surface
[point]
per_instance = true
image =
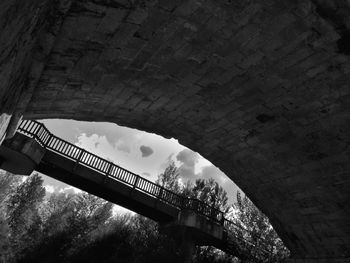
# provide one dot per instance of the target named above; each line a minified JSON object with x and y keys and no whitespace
{"x":4,"y":122}
{"x":260,"y":88}
{"x":19,"y":24}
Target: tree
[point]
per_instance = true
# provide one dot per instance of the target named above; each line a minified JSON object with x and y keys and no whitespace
{"x":170,"y":179}
{"x":209,"y":192}
{"x":68,"y":222}
{"x":23,"y":203}
{"x":257,"y":229}
{"x":22,"y":214}
{"x":150,"y":244}
{"x":8,"y":182}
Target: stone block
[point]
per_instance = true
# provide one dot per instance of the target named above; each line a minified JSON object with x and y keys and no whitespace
{"x":137,"y":16}
{"x":111,"y":21}
{"x":248,"y":12}
{"x":187,"y":8}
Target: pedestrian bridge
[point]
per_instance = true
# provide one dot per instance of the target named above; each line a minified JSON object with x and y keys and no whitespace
{"x":34,"y":148}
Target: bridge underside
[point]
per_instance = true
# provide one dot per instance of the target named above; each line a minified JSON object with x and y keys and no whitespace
{"x":260,"y":88}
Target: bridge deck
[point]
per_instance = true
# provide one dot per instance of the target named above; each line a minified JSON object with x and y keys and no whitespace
{"x":77,"y":167}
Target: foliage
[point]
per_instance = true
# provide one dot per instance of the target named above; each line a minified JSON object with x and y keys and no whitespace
{"x":211,"y":193}
{"x":7,"y":183}
{"x":76,"y":228}
{"x":22,"y":214}
{"x":208,"y":191}
{"x":255,"y":226}
{"x":81,"y":228}
{"x":68,"y":221}
{"x":258,"y":228}
{"x":169,"y":179}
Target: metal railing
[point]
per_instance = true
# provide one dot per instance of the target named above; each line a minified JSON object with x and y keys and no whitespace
{"x":42,"y":135}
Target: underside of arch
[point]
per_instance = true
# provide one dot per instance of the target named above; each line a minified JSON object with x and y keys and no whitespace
{"x":260,"y":88}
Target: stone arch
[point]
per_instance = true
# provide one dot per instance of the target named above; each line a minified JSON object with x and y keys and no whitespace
{"x":258,"y":88}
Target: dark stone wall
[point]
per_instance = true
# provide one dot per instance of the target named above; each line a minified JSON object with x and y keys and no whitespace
{"x":260,"y":88}
{"x":20,"y":22}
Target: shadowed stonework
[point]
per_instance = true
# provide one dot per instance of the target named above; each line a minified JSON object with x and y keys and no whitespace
{"x":259,"y":88}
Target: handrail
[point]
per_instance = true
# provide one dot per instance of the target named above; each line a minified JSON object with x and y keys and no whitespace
{"x":46,"y":139}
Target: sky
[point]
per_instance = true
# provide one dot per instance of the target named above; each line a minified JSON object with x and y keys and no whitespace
{"x":145,"y":154}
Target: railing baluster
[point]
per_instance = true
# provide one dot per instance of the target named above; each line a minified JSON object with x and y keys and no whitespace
{"x":160,"y":194}
{"x":110,"y":166}
{"x":88,"y":159}
{"x":121,"y":176}
{"x":129,"y":178}
{"x":78,"y":159}
{"x":136,"y":181}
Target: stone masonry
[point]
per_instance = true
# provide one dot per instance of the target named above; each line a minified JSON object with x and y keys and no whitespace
{"x":258,"y":87}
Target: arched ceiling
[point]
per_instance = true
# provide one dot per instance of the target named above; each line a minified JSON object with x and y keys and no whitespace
{"x":260,"y":88}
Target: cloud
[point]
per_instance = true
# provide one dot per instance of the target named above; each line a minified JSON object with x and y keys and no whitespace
{"x":166,"y":163}
{"x":49,"y":188}
{"x":52,"y":184}
{"x":123,"y":146}
{"x":121,"y":137}
{"x":119,"y":210}
{"x":146,"y":174}
{"x":212,"y":171}
{"x":70,"y":190}
{"x":188,"y":160}
{"x":188,"y":157}
{"x":146,"y":151}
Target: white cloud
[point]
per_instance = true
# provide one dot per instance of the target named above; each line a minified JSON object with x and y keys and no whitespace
{"x":193,"y":166}
{"x":123,"y":146}
{"x":70,"y":189}
{"x":212,"y":171}
{"x":117,"y":210}
{"x":49,"y":188}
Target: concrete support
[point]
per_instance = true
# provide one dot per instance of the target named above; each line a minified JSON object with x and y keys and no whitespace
{"x":20,"y":155}
{"x":185,"y":241}
{"x":209,"y":231}
{"x":186,"y":246}
{"x":191,"y":229}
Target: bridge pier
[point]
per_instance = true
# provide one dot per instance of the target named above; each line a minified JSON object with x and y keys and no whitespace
{"x":186,"y":245}
{"x":20,"y":154}
{"x":191,"y":229}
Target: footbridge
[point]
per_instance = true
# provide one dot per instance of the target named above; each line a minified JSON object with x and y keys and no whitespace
{"x":34,"y":148}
